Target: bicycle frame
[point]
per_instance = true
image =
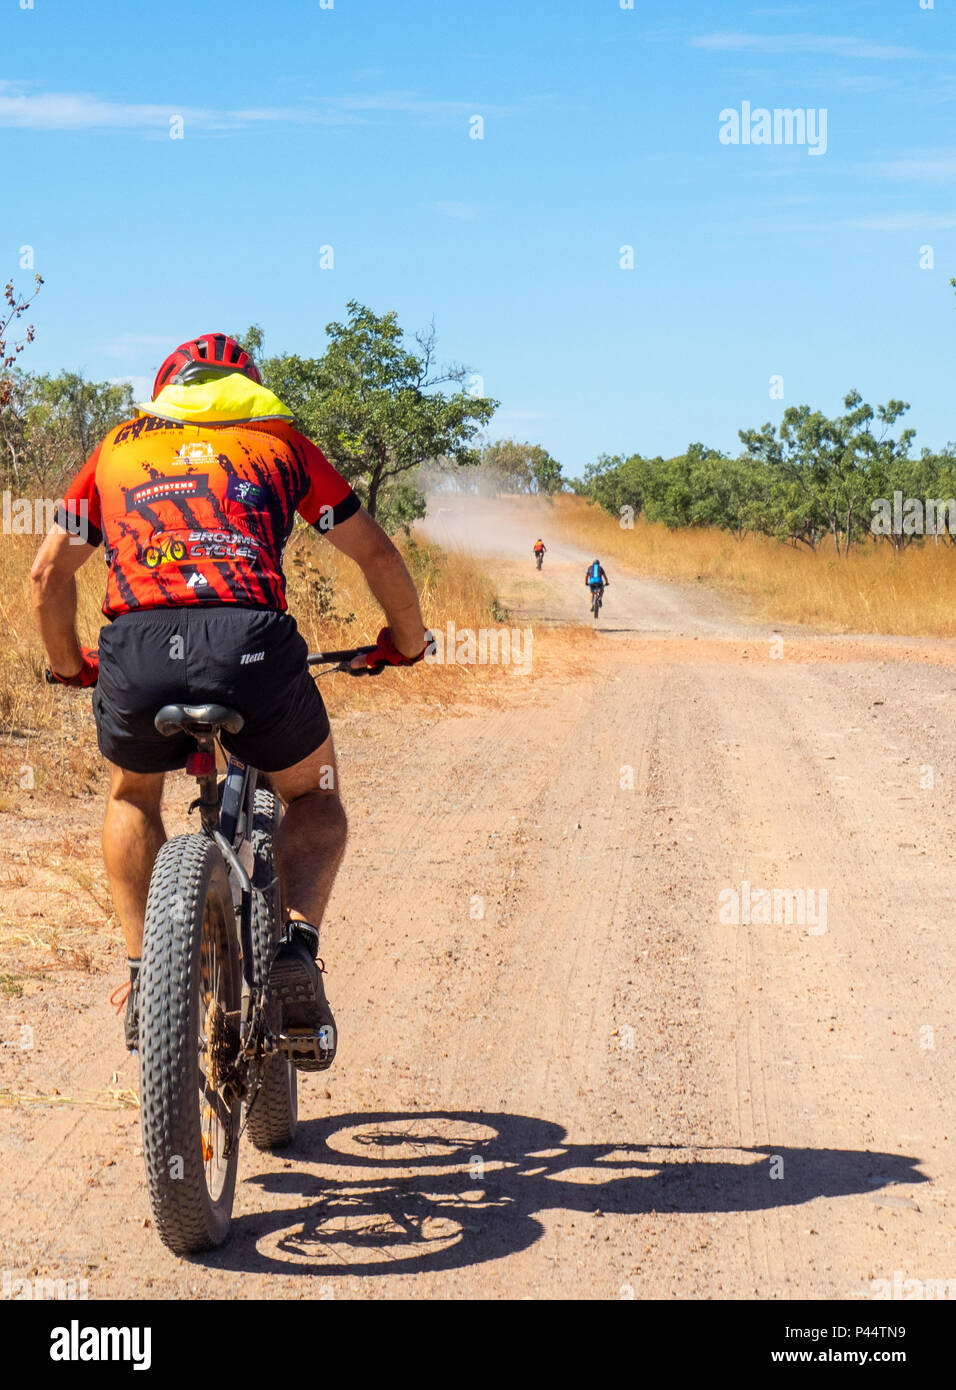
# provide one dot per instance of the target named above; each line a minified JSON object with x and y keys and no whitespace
{"x":229,"y":824}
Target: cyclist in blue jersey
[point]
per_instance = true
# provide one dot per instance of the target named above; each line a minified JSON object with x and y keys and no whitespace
{"x":595,"y":577}
{"x":596,"y":580}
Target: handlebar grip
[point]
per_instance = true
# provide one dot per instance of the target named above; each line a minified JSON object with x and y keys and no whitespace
{"x":330,"y":658}
{"x":363,"y":670}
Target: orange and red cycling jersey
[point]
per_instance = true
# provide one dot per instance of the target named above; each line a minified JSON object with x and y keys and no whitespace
{"x":200,"y":513}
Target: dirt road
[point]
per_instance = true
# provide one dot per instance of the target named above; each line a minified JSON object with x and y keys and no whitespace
{"x":562,"y":1074}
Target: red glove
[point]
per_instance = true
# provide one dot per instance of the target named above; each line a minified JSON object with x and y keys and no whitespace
{"x":87,"y":673}
{"x":386,"y":652}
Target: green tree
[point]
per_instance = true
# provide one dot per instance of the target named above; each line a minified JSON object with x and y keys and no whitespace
{"x":521,"y":467}
{"x":51,"y":424}
{"x":616,"y":483}
{"x":252,"y":340}
{"x":834,"y":468}
{"x":730,"y":493}
{"x":374,"y":408}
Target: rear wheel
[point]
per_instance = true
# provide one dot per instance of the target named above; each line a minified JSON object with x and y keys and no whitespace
{"x":189,"y":1003}
{"x":273,"y":1115}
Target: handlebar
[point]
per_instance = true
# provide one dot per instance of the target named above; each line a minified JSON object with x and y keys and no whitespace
{"x":340,"y":661}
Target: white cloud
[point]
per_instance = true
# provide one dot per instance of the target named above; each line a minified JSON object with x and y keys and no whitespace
{"x":863,"y":82}
{"x":29,"y":109}
{"x":838,"y":47}
{"x":931,"y":168}
{"x":142,"y":385}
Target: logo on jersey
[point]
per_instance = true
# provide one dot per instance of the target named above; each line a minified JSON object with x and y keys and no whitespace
{"x":165,"y":490}
{"x":199,"y":452}
{"x":195,"y":580}
{"x":249,"y":494}
{"x":221,"y":545}
{"x":163,"y":550}
{"x":147,"y":424}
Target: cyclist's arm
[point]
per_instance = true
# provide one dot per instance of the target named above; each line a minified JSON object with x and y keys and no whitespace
{"x":330,"y":505}
{"x":363,"y":540}
{"x":54,"y":597}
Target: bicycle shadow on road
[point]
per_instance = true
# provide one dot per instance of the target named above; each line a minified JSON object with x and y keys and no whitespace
{"x":406,"y":1192}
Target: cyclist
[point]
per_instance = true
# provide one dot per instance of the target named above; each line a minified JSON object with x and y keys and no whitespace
{"x":595,"y":578}
{"x":539,"y":547}
{"x":209,"y":474}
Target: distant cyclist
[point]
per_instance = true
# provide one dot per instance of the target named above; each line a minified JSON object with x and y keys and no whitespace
{"x":539,"y":549}
{"x":595,"y":578}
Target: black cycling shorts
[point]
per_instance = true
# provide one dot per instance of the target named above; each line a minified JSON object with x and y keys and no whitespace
{"x":251,"y":659}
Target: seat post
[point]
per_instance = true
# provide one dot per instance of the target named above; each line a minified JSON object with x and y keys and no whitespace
{"x":204,"y":724}
{"x":202,"y":766}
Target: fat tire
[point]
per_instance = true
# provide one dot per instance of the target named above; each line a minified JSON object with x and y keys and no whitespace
{"x":189,"y":871}
{"x":272,"y":1117}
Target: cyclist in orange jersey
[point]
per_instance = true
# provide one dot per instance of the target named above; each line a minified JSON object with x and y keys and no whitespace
{"x":194,"y":500}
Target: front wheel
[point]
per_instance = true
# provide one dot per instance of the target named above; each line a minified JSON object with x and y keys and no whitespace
{"x":189,"y":1007}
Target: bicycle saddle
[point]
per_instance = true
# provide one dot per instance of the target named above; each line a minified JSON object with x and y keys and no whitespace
{"x":198,"y":719}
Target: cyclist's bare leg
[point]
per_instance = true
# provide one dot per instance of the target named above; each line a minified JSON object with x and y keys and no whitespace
{"x":312,"y":834}
{"x":133,"y":835}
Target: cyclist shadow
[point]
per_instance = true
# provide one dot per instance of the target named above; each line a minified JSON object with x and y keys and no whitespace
{"x":401,"y":1192}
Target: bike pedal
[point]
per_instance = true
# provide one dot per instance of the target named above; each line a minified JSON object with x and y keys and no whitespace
{"x":308,"y":1050}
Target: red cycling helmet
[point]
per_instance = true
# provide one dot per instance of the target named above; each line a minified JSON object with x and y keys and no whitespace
{"x":212,"y":353}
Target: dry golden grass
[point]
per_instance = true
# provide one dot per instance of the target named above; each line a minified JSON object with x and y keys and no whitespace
{"x":335,"y":609}
{"x":327,"y":596}
{"x":874,"y":590}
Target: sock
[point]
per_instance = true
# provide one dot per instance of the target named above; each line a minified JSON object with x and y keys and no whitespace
{"x":134,"y":965}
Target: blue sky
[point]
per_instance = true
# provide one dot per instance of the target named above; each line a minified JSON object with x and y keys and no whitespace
{"x":307,"y":127}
